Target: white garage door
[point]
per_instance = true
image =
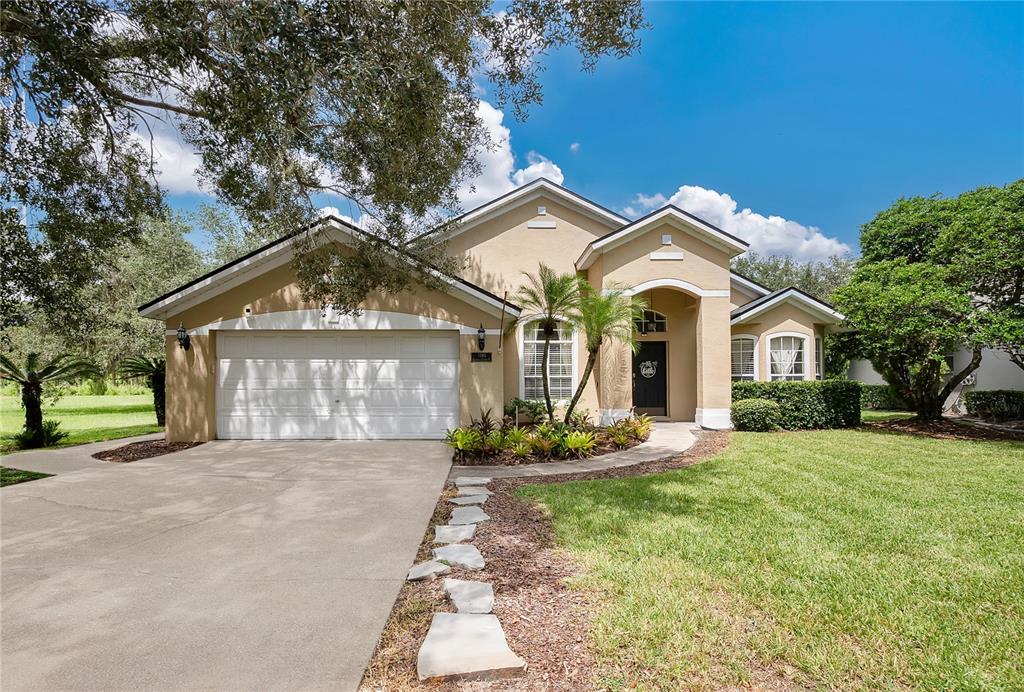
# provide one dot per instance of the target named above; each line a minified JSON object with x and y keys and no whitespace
{"x":336,"y":385}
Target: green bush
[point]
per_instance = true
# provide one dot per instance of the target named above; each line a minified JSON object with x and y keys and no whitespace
{"x":997,"y":404}
{"x":756,"y":415}
{"x":807,"y":404}
{"x":882,"y":397}
{"x":48,"y":436}
{"x":533,"y":410}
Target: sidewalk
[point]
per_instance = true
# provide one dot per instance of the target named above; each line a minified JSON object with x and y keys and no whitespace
{"x":666,"y":440}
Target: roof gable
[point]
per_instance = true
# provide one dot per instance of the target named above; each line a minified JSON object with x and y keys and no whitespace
{"x":675,"y":217}
{"x":792,"y":296}
{"x":280,"y":252}
{"x":528,"y":192}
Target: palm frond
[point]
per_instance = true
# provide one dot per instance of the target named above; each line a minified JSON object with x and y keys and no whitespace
{"x":10,"y":371}
{"x":140,"y":366}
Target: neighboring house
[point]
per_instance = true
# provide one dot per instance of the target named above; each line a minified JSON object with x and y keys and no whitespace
{"x":264,"y":364}
{"x":996,"y":371}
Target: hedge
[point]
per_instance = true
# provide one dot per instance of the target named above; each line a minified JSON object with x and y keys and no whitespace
{"x":808,"y":404}
{"x":756,"y":415}
{"x":882,"y":397}
{"x":999,"y":404}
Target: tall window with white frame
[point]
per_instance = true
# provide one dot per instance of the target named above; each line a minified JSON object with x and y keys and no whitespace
{"x":560,"y":363}
{"x":743,"y":354}
{"x":787,"y":358}
{"x":819,"y":358}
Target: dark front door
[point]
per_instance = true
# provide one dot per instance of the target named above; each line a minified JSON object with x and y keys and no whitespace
{"x":649,"y":379}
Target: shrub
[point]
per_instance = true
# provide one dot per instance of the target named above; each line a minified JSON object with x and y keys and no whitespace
{"x":542,"y":446}
{"x":515,"y":436}
{"x":534,"y":410}
{"x":579,"y":443}
{"x":464,"y":441}
{"x":49,"y":435}
{"x":807,"y":404}
{"x":485,"y":424}
{"x":521,"y":450}
{"x":639,"y":426}
{"x":756,"y":415}
{"x":882,"y":397}
{"x":997,"y":404}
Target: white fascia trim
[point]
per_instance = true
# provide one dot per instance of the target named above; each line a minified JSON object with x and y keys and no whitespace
{"x":531,"y":191}
{"x":750,"y":286}
{"x":683,"y":223}
{"x":807,"y":352}
{"x":315,"y":319}
{"x":812,"y":306}
{"x":278,"y":255}
{"x":757,"y":355}
{"x":713,"y":418}
{"x":692,"y":289}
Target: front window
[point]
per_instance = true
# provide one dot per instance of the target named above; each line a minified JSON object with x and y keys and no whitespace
{"x":560,"y":363}
{"x":788,"y":360}
{"x":819,"y":358}
{"x":743,"y":358}
{"x":651,"y":322}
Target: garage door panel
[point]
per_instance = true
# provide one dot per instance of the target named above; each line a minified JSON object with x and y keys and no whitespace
{"x":337,"y":385}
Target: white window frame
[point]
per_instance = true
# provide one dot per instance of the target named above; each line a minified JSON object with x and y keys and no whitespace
{"x":757,"y":353}
{"x":521,"y":338}
{"x":819,"y":357}
{"x":807,"y":355}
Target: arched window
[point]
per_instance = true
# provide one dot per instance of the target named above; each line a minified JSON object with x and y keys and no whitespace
{"x":651,"y":321}
{"x":744,"y":357}
{"x":561,"y":363}
{"x":788,"y":356}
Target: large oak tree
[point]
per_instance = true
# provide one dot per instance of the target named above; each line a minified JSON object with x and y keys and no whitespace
{"x":374,"y":100}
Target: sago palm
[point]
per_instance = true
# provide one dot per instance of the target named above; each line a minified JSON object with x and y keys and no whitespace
{"x":154,"y":371}
{"x":34,"y":374}
{"x":547,"y":298}
{"x":603,"y":317}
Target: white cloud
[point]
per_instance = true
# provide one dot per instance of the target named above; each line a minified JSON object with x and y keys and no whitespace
{"x":773,"y":235}
{"x":498,"y":165}
{"x":175,"y":160}
{"x":574,"y":147}
{"x":334,"y":211}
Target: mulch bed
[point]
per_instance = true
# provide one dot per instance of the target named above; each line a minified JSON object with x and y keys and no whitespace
{"x":546,"y":622}
{"x":507,"y":458}
{"x":943,"y":430}
{"x":142,"y":450}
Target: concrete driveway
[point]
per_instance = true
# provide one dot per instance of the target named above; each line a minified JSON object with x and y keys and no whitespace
{"x":233,"y":565}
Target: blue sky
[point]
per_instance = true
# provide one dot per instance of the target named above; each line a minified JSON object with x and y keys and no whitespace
{"x":818,"y":114}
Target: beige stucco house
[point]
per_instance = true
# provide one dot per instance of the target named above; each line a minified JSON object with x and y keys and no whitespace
{"x":262,"y":363}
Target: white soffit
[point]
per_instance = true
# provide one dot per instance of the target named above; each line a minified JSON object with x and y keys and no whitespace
{"x":793,"y":297}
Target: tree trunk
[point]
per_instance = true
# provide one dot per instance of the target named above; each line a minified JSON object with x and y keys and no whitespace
{"x":31,"y":399}
{"x":157,"y":384}
{"x":930,"y":398}
{"x":591,"y":359}
{"x":544,"y":377}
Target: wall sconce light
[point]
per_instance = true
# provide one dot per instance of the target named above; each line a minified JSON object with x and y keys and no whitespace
{"x":481,"y":337}
{"x":184,"y":340}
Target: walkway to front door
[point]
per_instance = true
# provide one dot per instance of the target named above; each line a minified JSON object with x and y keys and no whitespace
{"x":650,"y":379}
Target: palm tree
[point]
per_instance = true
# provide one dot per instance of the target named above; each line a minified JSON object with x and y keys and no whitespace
{"x":547,"y":298}
{"x":33,"y":375}
{"x":610,"y":315}
{"x":154,"y":370}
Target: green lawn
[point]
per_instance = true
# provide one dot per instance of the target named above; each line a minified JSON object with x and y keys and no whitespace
{"x":844,"y":559}
{"x":869,"y":415}
{"x":9,"y":476}
{"x":87,"y":418}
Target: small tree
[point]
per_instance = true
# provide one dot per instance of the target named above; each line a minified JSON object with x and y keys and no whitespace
{"x":603,"y":317}
{"x":154,"y":371}
{"x":31,"y":378}
{"x":547,"y":298}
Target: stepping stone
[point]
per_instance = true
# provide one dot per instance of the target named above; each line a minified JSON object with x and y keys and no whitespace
{"x":473,"y":490}
{"x":460,"y":555}
{"x":468,"y":500}
{"x":428,"y":570}
{"x":466,"y":644}
{"x":467,"y":515}
{"x":470,"y":596}
{"x":471,"y":480}
{"x":453,"y":534}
